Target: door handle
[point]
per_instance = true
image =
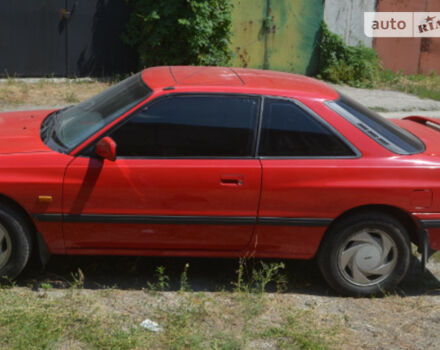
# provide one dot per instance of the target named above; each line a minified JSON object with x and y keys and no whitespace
{"x":231,"y":180}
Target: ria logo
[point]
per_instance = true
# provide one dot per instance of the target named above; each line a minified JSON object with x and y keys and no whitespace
{"x":431,"y":24}
{"x":402,"y":24}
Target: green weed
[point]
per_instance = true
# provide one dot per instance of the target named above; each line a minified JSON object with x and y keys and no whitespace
{"x":162,"y":283}
{"x":254,"y":278}
{"x":184,"y":284}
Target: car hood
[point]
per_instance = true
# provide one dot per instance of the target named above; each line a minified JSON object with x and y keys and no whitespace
{"x":426,"y":129}
{"x":20,"y":132}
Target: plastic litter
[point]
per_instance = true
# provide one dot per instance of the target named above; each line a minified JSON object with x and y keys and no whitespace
{"x":151,"y":325}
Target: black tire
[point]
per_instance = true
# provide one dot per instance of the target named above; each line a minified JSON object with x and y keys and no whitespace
{"x":15,"y":243}
{"x":366,"y":254}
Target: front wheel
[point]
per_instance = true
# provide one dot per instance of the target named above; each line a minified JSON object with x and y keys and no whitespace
{"x":15,"y":243}
{"x":365,"y":255}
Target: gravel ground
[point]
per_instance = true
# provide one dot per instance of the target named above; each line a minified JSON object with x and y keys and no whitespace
{"x":387,"y":100}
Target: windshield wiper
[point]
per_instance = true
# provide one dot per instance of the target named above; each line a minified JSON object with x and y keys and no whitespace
{"x":46,"y":126}
{"x":50,"y":124}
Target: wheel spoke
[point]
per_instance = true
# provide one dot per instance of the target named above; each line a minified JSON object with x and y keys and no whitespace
{"x":387,"y":245}
{"x":358,"y":275}
{"x":366,"y":237}
{"x":348,"y":254}
{"x":383,"y":269}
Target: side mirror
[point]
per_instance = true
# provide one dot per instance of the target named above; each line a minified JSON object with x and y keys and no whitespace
{"x":106,"y":148}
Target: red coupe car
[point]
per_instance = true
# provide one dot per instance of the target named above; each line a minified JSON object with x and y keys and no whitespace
{"x":212,"y":161}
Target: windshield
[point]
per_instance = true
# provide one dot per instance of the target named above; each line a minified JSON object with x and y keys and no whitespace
{"x":68,"y":127}
{"x":386,"y":133}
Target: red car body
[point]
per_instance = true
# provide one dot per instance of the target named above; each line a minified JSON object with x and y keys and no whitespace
{"x":259,"y":206}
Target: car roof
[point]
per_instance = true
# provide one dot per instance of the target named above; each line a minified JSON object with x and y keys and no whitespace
{"x":242,"y":80}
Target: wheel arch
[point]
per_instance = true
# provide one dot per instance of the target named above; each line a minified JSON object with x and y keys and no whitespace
{"x":39,"y":245}
{"x":17,"y":207}
{"x":411,"y":224}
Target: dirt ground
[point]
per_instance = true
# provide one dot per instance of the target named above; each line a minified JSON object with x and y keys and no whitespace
{"x":406,"y":319}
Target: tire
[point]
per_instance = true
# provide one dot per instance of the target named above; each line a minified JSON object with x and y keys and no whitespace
{"x":367,"y":254}
{"x":15,"y":243}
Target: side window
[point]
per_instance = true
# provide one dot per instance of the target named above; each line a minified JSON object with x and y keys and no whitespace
{"x":289,"y":131}
{"x":190,"y":126}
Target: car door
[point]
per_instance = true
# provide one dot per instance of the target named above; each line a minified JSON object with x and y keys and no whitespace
{"x":306,"y":164}
{"x":185,"y":178}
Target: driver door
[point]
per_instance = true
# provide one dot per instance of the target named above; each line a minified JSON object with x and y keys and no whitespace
{"x":184,"y":179}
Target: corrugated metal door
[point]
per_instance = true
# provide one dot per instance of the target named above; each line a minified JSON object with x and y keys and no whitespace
{"x":64,"y":38}
{"x":277,"y":34}
{"x":94,"y":45}
{"x":32,"y":38}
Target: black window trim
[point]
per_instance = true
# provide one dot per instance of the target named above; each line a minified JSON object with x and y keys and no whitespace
{"x":89,"y":150}
{"x":370,"y":132}
{"x":356,"y":153}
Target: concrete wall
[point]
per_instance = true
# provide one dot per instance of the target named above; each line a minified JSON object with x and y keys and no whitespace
{"x":346,"y":18}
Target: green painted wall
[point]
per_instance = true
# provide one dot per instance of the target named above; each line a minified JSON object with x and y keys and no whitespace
{"x":277,"y":34}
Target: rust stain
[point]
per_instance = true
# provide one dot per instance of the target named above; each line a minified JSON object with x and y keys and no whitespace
{"x":425,"y":45}
{"x":244,"y":58}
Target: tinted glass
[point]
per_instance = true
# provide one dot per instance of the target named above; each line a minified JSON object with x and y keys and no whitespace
{"x":381,"y":130}
{"x":190,"y":126}
{"x":75,"y":124}
{"x":290,"y":131}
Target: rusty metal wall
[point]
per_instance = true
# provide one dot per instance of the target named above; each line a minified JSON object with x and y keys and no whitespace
{"x":248,"y":41}
{"x":410,"y":55}
{"x":277,"y":34}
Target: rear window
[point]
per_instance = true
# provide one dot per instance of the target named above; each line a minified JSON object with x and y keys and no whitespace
{"x":381,"y":130}
{"x":289,"y":131}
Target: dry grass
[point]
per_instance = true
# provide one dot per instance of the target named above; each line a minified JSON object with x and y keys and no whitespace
{"x":109,"y":319}
{"x":17,"y":93}
{"x":436,"y":257}
{"x":424,"y":86}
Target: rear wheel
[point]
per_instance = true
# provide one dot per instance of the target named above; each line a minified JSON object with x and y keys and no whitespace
{"x":15,"y":243}
{"x":366,"y":254}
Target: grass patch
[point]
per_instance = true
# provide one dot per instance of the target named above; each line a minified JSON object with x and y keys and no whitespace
{"x":292,"y":334}
{"x":88,"y":320}
{"x":424,"y":86}
{"x":31,"y":321}
{"x":76,"y":318}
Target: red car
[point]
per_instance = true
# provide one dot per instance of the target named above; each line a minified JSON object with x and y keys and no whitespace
{"x":191,"y":161}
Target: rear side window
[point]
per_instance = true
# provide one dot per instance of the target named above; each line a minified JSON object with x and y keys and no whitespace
{"x":190,"y":126}
{"x":386,"y":133}
{"x":289,"y":131}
